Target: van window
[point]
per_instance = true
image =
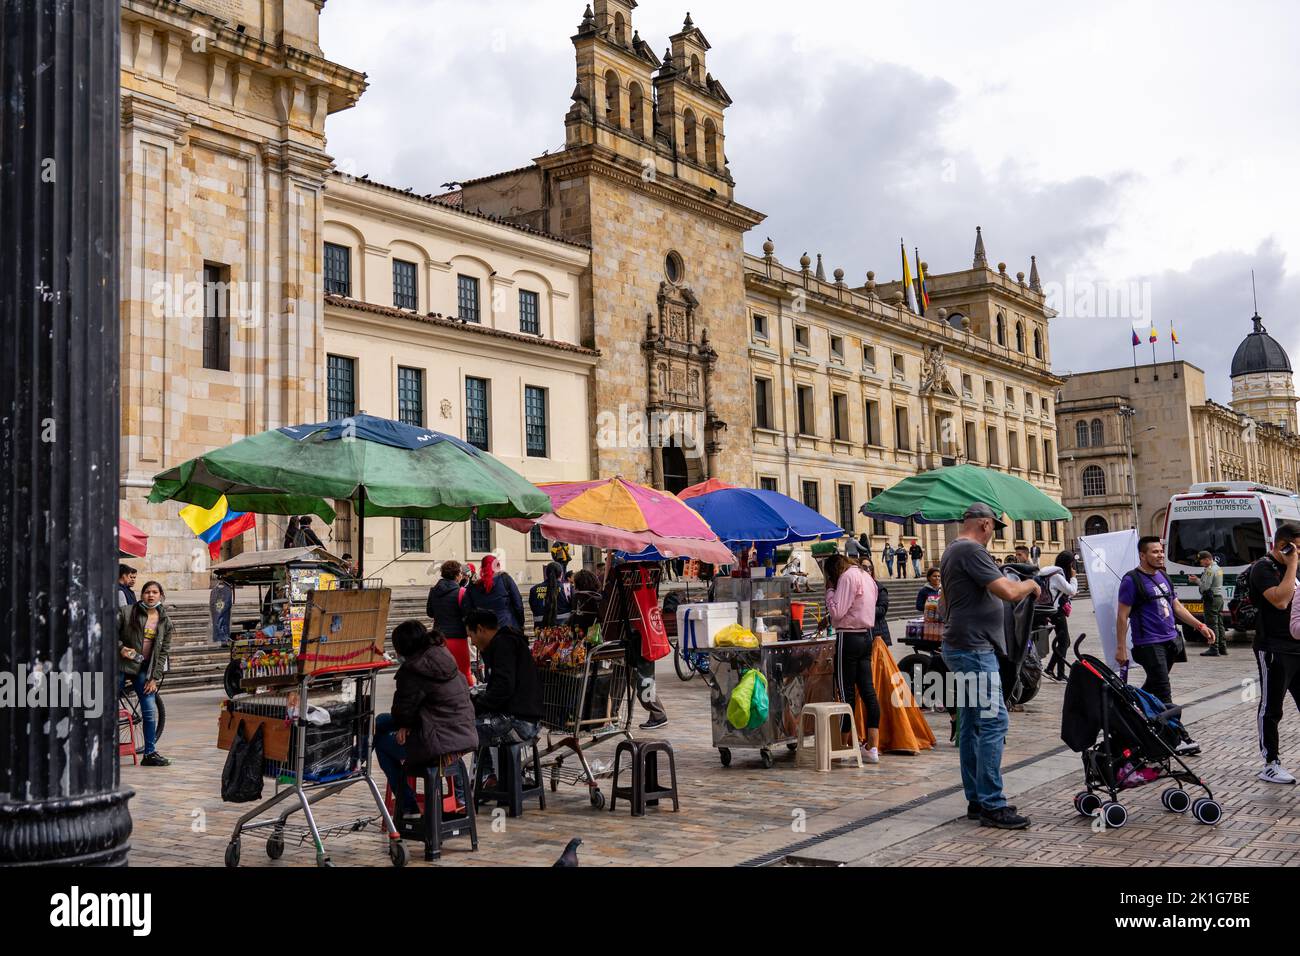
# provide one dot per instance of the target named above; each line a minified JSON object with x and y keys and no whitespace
{"x":1234,"y":542}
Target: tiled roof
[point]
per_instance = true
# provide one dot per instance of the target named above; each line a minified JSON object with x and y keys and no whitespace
{"x":443,"y":202}
{"x":356,"y":305}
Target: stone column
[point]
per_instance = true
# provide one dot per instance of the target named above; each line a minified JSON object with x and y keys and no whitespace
{"x":60,"y":799}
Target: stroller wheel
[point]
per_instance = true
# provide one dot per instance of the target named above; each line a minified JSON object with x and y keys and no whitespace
{"x":1207,"y":811}
{"x":1086,"y":803}
{"x":1115,"y":815}
{"x":1176,"y":800}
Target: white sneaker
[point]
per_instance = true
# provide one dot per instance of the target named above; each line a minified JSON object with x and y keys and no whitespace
{"x":1276,"y":773}
{"x":872,"y":754}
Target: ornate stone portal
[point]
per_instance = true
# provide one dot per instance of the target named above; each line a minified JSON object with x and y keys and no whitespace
{"x":683,"y":425}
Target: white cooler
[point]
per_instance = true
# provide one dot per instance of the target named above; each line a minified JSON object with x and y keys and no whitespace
{"x":697,"y":624}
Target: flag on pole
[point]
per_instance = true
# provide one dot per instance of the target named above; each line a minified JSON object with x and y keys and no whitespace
{"x":1173,"y":336}
{"x":922,"y":295}
{"x":1153,"y":338}
{"x":1136,"y":341}
{"x":909,"y":292}
{"x":218,"y":524}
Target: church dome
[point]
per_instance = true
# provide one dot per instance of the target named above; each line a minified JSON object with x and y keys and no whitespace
{"x":1259,"y":352}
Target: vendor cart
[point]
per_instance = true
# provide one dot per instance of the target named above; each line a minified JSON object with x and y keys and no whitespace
{"x":284,"y":579}
{"x":798,"y":672}
{"x":589,"y":702}
{"x":314,"y":701}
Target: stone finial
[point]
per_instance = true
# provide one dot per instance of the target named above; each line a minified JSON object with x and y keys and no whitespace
{"x":688,"y":23}
{"x":1034,"y":282}
{"x":943,"y":314}
{"x":965,"y":323}
{"x":871,"y":285}
{"x":804,"y":262}
{"x":981,"y":260}
{"x":588,"y":23}
{"x":821,"y":271}
{"x":925,"y":267}
{"x":769,"y":247}
{"x":1002,"y":268}
{"x":897,"y":298}
{"x":578,"y":96}
{"x":839,"y":277}
{"x":1020,"y":277}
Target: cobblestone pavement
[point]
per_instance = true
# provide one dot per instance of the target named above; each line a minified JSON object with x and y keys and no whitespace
{"x":734,"y":815}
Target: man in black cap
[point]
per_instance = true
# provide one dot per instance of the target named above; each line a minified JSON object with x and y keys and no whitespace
{"x":974,"y":620}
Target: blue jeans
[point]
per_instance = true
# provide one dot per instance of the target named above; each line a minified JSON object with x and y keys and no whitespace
{"x":392,"y":756}
{"x":148,"y":706}
{"x":984,"y":724}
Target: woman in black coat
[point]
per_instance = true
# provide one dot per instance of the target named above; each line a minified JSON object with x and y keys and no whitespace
{"x":495,"y":591}
{"x":432,"y":716}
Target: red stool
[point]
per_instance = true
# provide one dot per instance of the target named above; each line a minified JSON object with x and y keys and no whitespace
{"x":449,"y":804}
{"x":128,"y":746}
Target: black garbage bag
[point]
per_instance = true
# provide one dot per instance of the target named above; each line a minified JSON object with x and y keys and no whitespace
{"x":1018,"y":661}
{"x":241,"y":778}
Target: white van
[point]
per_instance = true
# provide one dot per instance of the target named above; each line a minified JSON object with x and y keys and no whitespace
{"x":1233,"y":520}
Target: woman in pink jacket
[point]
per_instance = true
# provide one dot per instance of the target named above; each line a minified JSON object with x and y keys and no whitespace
{"x":851,"y":605}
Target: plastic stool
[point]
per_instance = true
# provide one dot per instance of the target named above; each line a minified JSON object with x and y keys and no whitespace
{"x":438,"y":824}
{"x":510,"y":791}
{"x":827,"y":748}
{"x":646,"y":791}
{"x":128,"y":746}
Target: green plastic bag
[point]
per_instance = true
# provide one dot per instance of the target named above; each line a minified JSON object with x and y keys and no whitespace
{"x":747,"y":707}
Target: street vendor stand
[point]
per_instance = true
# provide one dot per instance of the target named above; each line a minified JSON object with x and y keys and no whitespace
{"x":311,"y":697}
{"x":284,"y":580}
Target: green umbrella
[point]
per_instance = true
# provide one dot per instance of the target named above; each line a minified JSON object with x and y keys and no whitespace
{"x":385,"y":468}
{"x":944,"y":494}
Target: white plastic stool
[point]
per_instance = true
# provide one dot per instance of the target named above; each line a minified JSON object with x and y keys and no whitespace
{"x":827,"y":748}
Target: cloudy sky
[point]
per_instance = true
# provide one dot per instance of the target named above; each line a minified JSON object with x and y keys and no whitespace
{"x":1145,"y":152}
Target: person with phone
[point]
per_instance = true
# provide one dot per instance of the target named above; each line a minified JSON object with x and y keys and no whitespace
{"x":1148,"y":602}
{"x":1272,"y":581}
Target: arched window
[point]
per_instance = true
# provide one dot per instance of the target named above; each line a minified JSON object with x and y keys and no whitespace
{"x":696,"y":74}
{"x":690,"y":146}
{"x":1001,"y":330}
{"x":1038,"y":344}
{"x":710,"y":144}
{"x":954,"y":319}
{"x":1020,"y":337}
{"x":613,"y":115}
{"x":620,"y":31}
{"x":1081,"y":434}
{"x":1094,"y":482}
{"x":1096,"y":525}
{"x":1098,"y":432}
{"x":636,"y":109}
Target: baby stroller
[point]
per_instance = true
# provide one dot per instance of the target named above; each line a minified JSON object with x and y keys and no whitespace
{"x":1126,"y":737}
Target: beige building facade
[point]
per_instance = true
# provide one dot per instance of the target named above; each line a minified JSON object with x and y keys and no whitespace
{"x":853,"y":392}
{"x":1176,"y":435}
{"x":223,"y":177}
{"x":450,"y":321}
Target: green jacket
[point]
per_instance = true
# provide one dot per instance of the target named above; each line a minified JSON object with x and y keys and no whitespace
{"x":130,"y":633}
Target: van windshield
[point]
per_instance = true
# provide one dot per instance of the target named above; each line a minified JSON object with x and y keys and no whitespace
{"x":1234,"y":542}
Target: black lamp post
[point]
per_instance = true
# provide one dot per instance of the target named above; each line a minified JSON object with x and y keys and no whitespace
{"x":60,"y":798}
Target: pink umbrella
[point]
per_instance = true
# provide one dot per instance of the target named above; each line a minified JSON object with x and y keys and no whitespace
{"x":625,"y":516}
{"x":131,"y":540}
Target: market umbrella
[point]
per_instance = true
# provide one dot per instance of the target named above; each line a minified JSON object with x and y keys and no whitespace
{"x":385,"y":468}
{"x":743,"y":515}
{"x":131,"y":541}
{"x":622,"y":515}
{"x":703,"y":488}
{"x":944,"y":494}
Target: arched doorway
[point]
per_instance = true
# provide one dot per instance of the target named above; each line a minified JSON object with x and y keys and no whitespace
{"x":1096,"y":525}
{"x":681,"y":470}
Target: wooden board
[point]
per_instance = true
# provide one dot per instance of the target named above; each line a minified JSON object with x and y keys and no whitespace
{"x":345,"y":630}
{"x":276,"y":733}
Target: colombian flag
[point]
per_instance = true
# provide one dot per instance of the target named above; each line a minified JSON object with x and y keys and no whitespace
{"x":217,"y":524}
{"x":924,"y":293}
{"x":1172,"y":334}
{"x":1153,"y":337}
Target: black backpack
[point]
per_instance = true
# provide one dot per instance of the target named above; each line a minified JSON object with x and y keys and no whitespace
{"x":1141,"y":597}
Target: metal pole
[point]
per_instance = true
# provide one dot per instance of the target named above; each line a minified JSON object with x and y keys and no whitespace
{"x":1127,"y":413}
{"x":60,"y":799}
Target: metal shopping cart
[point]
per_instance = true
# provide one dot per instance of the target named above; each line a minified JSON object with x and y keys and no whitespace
{"x":329,"y":672}
{"x":581,"y":707}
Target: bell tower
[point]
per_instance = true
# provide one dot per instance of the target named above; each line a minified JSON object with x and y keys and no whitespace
{"x":613,"y":102}
{"x":691,"y":108}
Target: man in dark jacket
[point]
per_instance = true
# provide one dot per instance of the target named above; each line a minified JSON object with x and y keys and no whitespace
{"x":547,"y":610}
{"x":431,"y":717}
{"x":443,"y":606}
{"x":508,"y":706}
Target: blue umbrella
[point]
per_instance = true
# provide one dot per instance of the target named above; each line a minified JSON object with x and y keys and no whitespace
{"x":744,"y":515}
